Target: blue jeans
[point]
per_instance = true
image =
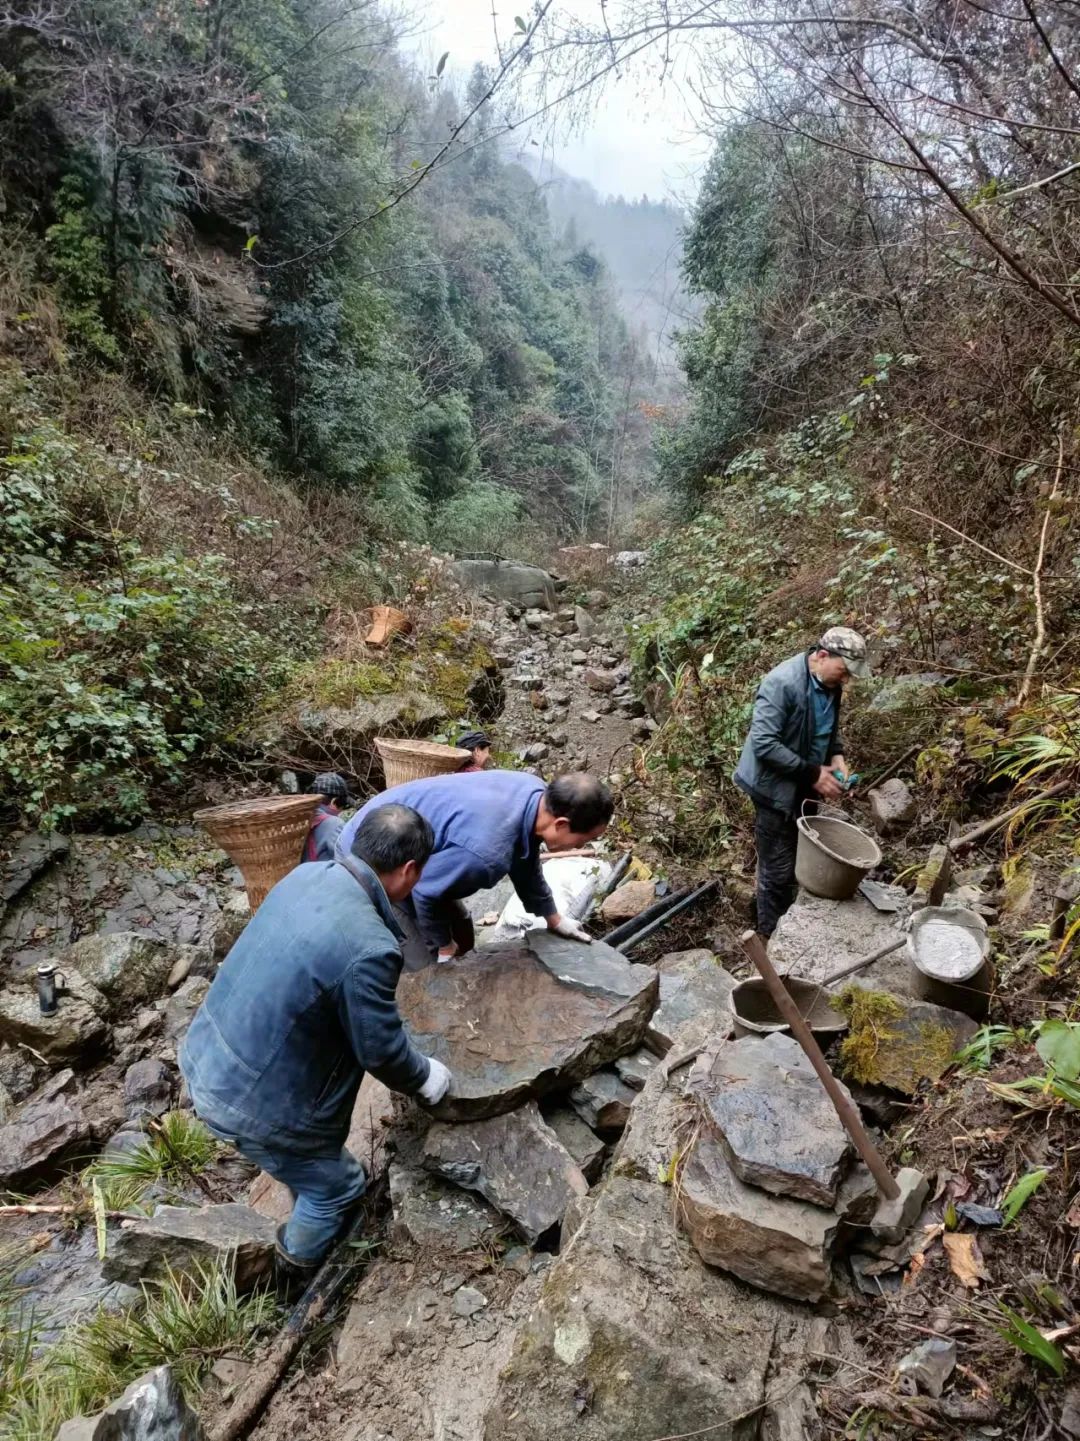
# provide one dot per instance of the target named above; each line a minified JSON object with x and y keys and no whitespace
{"x":324,"y":1188}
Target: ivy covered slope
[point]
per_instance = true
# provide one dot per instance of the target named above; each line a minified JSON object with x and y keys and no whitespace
{"x":880,"y":433}
{"x":238,"y":356}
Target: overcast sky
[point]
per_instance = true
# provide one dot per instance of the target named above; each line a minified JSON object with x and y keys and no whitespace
{"x":638,"y":140}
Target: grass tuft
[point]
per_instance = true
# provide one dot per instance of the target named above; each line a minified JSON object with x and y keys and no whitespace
{"x":179,"y":1148}
{"x":186,"y":1321}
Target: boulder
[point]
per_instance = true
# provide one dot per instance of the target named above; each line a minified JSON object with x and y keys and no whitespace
{"x":773,"y":1242}
{"x":600,"y":681}
{"x":48,"y":1128}
{"x":603,"y":1101}
{"x":235,"y":914}
{"x":763,"y":1101}
{"x":582,"y":1142}
{"x":182,"y":1005}
{"x":892,"y":806}
{"x":526,"y":586}
{"x":591,"y":717}
{"x":584,"y":622}
{"x":153,"y":1408}
{"x":148,"y":1088}
{"x":183,"y":1237}
{"x":75,"y":1034}
{"x":438,"y":1216}
{"x":694,"y":995}
{"x":128,"y":969}
{"x":525,"y":1019}
{"x":26,"y":859}
{"x":898,"y":1042}
{"x":817,"y":937}
{"x":515,"y":1161}
{"x":628,"y":901}
{"x":633,"y":1337}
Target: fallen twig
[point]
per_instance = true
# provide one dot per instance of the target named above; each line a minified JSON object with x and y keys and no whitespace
{"x":984,"y":828}
{"x":48,"y":1210}
{"x":1036,"y":580}
{"x":331,"y":1282}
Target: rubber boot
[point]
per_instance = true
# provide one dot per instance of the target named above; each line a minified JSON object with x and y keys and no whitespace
{"x":292,"y":1276}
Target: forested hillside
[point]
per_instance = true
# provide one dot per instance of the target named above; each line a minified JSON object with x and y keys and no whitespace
{"x":641,"y":240}
{"x":270,"y":301}
{"x":210,"y":196}
{"x":883,"y":422}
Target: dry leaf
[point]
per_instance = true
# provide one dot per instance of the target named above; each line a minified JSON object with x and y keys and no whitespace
{"x":918,"y":1261}
{"x":965,"y":1259}
{"x":1072,"y":1215}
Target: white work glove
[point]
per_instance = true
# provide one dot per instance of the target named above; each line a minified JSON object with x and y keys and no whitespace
{"x":572,"y":930}
{"x":437,"y":1083}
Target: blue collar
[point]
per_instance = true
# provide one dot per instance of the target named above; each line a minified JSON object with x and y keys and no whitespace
{"x":370,"y":884}
{"x":528,"y":823}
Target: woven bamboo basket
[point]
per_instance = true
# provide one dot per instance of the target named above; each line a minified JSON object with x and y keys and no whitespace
{"x":264,"y":837}
{"x":386,"y":622}
{"x":411,"y":760}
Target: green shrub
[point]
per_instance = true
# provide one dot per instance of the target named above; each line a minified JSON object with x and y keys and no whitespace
{"x":116,"y":664}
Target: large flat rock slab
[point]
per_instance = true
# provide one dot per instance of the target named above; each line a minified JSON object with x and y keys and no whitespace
{"x":763,"y":1101}
{"x":817,"y":937}
{"x":633,"y":1337}
{"x":515,"y":1161}
{"x":47,"y":1129}
{"x":183,"y":1238}
{"x":519,"y":1021}
{"x":694,"y":1001}
{"x":74,"y":1035}
{"x":774,"y":1242}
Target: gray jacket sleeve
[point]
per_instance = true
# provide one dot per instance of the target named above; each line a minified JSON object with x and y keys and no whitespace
{"x":373,"y":1023}
{"x":766,"y":732}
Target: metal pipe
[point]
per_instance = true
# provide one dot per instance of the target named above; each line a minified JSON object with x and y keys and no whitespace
{"x":627,"y":928}
{"x":669,"y":915}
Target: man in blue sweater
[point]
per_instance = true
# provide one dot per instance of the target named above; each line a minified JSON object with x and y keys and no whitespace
{"x":487,"y":826}
{"x":300,"y":1008}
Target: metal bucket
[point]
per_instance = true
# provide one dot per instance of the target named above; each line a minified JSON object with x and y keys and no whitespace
{"x":833,"y":857}
{"x":961,"y":982}
{"x":754,"y":1012}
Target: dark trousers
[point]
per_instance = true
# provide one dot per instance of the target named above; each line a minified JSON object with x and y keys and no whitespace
{"x":776,"y":837}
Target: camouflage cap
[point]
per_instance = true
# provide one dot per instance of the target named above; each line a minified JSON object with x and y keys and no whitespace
{"x":849,"y":645}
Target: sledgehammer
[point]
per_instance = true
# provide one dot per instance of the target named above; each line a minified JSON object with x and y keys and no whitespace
{"x":902,"y":1195}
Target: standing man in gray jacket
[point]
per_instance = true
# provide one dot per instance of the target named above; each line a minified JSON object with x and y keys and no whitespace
{"x":790,"y":754}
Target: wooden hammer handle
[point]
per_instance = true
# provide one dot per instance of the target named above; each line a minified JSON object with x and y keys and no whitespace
{"x":754,"y":947}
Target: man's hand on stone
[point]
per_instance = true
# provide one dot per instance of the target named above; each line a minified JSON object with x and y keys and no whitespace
{"x":827,"y":786}
{"x":568,"y":927}
{"x":437,"y":1083}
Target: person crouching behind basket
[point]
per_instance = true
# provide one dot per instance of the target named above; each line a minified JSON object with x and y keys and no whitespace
{"x":301,"y":1007}
{"x":326,"y":821}
{"x":478,"y":744}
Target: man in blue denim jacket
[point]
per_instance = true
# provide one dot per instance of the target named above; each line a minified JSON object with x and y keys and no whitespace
{"x":301,"y":1007}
